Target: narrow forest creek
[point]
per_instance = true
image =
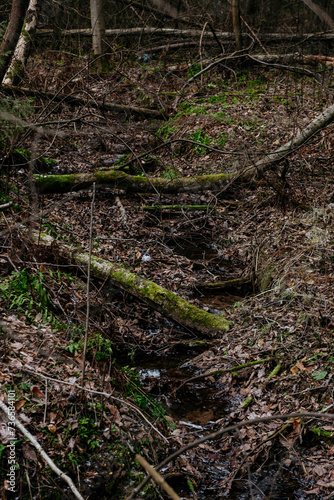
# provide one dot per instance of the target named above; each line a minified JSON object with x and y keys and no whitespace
{"x":251,"y":261}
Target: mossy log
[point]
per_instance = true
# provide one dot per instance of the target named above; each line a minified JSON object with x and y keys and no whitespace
{"x":161,"y":299}
{"x":214,"y":182}
{"x":129,"y":183}
{"x":177,"y":208}
{"x":233,"y":283}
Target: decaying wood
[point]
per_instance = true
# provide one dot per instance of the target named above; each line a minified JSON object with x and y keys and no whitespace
{"x":161,"y":299}
{"x":225,"y":35}
{"x":129,"y":183}
{"x":12,"y":33}
{"x":223,"y":285}
{"x":93,"y":103}
{"x":22,"y":49}
{"x":226,"y":370}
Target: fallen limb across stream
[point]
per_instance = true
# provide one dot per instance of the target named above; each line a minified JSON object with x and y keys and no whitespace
{"x":214,"y":182}
{"x":161,"y":299}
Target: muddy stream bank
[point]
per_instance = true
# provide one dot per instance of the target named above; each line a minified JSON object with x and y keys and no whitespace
{"x":202,"y":406}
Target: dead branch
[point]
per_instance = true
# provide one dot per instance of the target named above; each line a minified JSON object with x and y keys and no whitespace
{"x":221,"y":432}
{"x":46,"y":457}
{"x":164,"y":301}
{"x":157,"y":477}
{"x":93,"y":103}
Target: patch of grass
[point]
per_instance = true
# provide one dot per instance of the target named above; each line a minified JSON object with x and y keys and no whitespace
{"x":139,"y":396}
{"x":194,"y":69}
{"x":217,"y":99}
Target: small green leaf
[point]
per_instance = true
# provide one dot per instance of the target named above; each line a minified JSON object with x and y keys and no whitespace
{"x":319,"y":375}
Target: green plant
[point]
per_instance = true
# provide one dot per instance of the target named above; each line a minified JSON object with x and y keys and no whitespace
{"x":194,"y":69}
{"x":98,"y":347}
{"x":139,"y":396}
{"x":170,"y":173}
{"x":24,"y":292}
{"x":222,"y":139}
{"x":203,"y":138}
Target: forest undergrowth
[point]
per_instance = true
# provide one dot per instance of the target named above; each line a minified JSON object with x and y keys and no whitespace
{"x":273,"y":237}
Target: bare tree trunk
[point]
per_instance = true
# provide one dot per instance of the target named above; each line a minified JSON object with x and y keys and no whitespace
{"x":98,"y":34}
{"x":12,"y":34}
{"x":166,"y":7}
{"x":320,"y":12}
{"x":236,"y":23}
{"x":22,"y":48}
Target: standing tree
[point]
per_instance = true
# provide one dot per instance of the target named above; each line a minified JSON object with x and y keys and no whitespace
{"x":22,"y":48}
{"x":98,"y":35}
{"x":321,"y":13}
{"x":236,"y":23}
{"x":12,"y":34}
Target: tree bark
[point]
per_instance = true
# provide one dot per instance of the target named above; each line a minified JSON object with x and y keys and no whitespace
{"x":236,"y":23}
{"x":98,"y":35}
{"x":320,"y":12}
{"x":22,"y":48}
{"x":12,"y":34}
{"x":161,"y":299}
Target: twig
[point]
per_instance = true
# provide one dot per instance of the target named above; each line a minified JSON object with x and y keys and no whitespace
{"x":122,"y":210}
{"x":88,"y":284}
{"x":200,"y":49}
{"x":6,"y":205}
{"x":46,"y":457}
{"x":46,"y":401}
{"x":226,"y":370}
{"x":157,"y":477}
{"x":221,"y":432}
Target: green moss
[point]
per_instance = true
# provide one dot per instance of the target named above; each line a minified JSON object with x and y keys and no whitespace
{"x":267,"y":277}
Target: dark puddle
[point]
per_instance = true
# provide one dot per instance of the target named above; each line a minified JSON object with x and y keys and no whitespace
{"x":195,"y":405}
{"x":276,"y":482}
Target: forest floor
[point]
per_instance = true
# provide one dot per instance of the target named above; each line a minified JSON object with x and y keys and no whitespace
{"x":277,"y":234}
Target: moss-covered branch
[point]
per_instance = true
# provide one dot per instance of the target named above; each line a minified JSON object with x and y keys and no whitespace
{"x":227,"y":370}
{"x":164,"y":301}
{"x":177,"y":208}
{"x":130,"y":183}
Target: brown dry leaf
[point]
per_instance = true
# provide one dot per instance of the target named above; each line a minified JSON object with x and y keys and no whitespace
{"x":37,"y":392}
{"x":299,"y":367}
{"x":29,"y":453}
{"x":52,"y":428}
{"x":319,"y":470}
{"x":115,"y":413}
{"x":19,"y":404}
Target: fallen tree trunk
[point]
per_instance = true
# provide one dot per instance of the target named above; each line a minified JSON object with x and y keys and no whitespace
{"x":130,"y":183}
{"x":151,"y":30}
{"x":213,"y":182}
{"x":161,"y":299}
{"x":81,"y":101}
